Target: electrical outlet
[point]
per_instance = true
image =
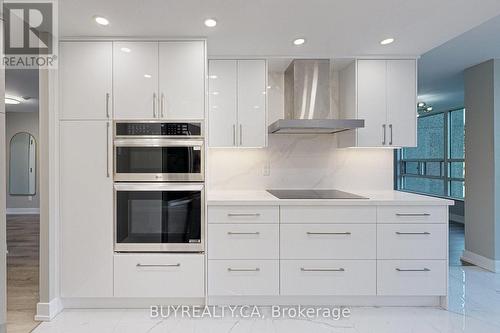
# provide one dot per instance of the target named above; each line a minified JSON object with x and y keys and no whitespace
{"x":266,"y":169}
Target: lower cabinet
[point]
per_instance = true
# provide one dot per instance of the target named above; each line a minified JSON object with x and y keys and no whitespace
{"x":159,"y":275}
{"x":412,"y":277}
{"x":243,"y":277}
{"x":328,"y":277}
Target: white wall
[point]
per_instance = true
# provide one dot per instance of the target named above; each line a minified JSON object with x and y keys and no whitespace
{"x":298,"y":161}
{"x":3,"y":230}
{"x":22,"y":122}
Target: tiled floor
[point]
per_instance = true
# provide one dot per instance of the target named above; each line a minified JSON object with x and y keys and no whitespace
{"x":22,"y":272}
{"x":474,"y":308}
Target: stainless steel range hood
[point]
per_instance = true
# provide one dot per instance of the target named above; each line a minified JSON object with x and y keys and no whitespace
{"x":307,"y":101}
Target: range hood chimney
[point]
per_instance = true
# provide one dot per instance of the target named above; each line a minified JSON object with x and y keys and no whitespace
{"x":307,"y":101}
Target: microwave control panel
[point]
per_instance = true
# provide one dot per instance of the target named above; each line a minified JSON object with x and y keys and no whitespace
{"x":158,"y":129}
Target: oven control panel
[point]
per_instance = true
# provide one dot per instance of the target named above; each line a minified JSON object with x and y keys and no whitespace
{"x":158,"y":129}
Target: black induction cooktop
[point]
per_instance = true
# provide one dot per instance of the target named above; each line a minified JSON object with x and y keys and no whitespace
{"x":314,"y":194}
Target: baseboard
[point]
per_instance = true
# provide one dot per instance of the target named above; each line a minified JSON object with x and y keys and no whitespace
{"x":48,"y":311}
{"x":3,"y":328}
{"x":479,"y":260}
{"x":23,"y":211}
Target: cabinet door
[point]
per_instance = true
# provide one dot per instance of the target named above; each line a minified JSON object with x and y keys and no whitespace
{"x":252,"y":129}
{"x":402,"y":103}
{"x":135,"y":80}
{"x":85,"y":73}
{"x":372,"y":102}
{"x":182,"y":80}
{"x":222,"y":103}
{"x":86,"y":209}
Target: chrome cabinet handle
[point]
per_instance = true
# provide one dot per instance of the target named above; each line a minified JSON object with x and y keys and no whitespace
{"x":243,"y":233}
{"x":413,"y":270}
{"x":413,"y":214}
{"x":154,"y":105}
{"x":107,"y":105}
{"x":234,"y":134}
{"x":412,"y":233}
{"x":322,"y":269}
{"x":243,"y":269}
{"x":107,"y":150}
{"x":242,"y":214}
{"x":383,"y":141}
{"x":162,"y":104}
{"x":241,"y":135}
{"x":158,"y":265}
{"x":390,"y":137}
{"x":328,"y":233}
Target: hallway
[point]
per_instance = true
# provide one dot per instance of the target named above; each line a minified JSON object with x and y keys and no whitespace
{"x":22,"y":272}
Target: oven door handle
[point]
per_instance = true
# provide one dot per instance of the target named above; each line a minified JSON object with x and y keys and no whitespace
{"x":158,"y":187}
{"x":157,"y":143}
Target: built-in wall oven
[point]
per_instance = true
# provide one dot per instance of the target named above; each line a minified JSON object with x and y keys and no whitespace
{"x":158,"y":151}
{"x":159,"y":194}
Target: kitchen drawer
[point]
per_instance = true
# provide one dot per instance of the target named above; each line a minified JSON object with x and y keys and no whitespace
{"x":243,"y":277}
{"x":412,"y":241}
{"x":411,"y":277}
{"x":243,"y":214}
{"x":243,"y":241}
{"x":328,"y":277}
{"x":159,"y":275}
{"x":328,"y":241}
{"x":328,"y":214}
{"x":412,"y":214}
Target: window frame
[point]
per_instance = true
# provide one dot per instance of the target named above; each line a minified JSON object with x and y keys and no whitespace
{"x":445,"y":161}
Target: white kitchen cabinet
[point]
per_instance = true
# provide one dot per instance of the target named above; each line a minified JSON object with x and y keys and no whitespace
{"x":237,"y":103}
{"x":222,"y":103}
{"x":85,"y":74}
{"x":252,"y":103}
{"x":135,"y":80}
{"x":244,"y":214}
{"x":86,"y":214}
{"x":384,"y":94}
{"x":182,"y":80}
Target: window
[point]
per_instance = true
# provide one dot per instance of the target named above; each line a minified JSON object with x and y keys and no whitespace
{"x":436,"y":166}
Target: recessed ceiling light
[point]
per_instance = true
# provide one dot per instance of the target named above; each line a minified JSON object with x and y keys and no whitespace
{"x":101,"y":20}
{"x":215,"y":93}
{"x":213,"y":76}
{"x":125,"y":49}
{"x":210,"y":22}
{"x":421,"y":104}
{"x":299,"y":41}
{"x":428,"y":109}
{"x":12,"y":100}
{"x":387,"y":41}
{"x":147,"y":76}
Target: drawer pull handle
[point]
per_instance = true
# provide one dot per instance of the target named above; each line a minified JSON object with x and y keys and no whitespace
{"x":322,"y":269}
{"x":159,"y":265}
{"x":243,"y":269}
{"x":328,"y":233}
{"x":243,"y":233}
{"x":242,"y":214}
{"x":413,"y":270}
{"x":412,"y":233}
{"x":413,"y":214}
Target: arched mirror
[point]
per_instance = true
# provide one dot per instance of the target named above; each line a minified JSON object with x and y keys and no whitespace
{"x":22,"y":166}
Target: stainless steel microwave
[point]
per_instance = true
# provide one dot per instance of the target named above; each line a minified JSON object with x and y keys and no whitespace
{"x":159,"y":151}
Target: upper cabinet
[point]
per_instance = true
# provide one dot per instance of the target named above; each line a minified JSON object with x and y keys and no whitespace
{"x":384,"y":94}
{"x":237,"y":103}
{"x":135,"y":80}
{"x":159,"y":80}
{"x":182,"y":79}
{"x":85,"y":80}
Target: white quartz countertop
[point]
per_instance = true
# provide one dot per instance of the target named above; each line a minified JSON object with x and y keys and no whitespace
{"x":223,"y":198}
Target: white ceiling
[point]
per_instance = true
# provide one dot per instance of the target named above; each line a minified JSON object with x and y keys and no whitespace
{"x":22,"y":83}
{"x":267,"y":27}
{"x":441,"y":69}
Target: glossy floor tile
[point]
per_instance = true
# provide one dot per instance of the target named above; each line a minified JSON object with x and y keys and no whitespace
{"x":474,"y":308}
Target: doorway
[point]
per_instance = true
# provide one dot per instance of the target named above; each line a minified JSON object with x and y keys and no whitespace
{"x":22,"y":197}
